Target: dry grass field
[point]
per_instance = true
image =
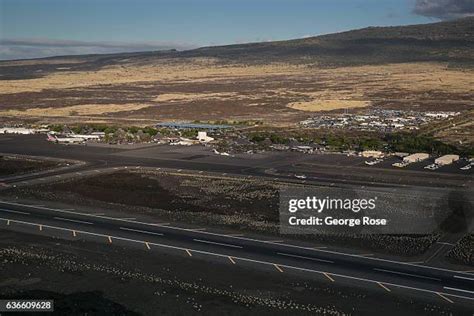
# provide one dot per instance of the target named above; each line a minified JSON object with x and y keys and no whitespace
{"x":206,"y":89}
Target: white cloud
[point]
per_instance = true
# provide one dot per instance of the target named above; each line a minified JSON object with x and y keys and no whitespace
{"x":444,"y":9}
{"x":37,"y":47}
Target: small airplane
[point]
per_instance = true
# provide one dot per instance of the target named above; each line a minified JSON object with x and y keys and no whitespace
{"x":432,"y":166}
{"x":400,"y":164}
{"x":222,"y":154}
{"x":302,"y":176}
{"x":65,"y":140}
{"x":373,"y":162}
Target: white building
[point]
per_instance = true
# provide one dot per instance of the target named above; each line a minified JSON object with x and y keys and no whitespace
{"x":202,"y":137}
{"x":372,"y":154}
{"x":416,"y":157}
{"x":401,"y":154}
{"x":17,"y":130}
{"x":446,"y":160}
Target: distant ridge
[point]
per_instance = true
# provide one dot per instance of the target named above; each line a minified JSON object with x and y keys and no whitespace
{"x":450,"y":41}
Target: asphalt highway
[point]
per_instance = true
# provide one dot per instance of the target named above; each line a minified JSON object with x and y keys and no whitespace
{"x":450,"y":285}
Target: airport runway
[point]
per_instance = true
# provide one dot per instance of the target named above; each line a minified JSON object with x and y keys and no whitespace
{"x":336,"y":170}
{"x":388,"y":275}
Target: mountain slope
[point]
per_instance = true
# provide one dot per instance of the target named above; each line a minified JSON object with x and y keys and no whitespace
{"x":451,"y":41}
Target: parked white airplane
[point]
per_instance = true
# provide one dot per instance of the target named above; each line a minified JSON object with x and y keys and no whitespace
{"x":86,"y":137}
{"x":65,"y":140}
{"x":222,"y":154}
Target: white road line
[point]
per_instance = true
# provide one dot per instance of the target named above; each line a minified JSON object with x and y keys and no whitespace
{"x":245,"y":259}
{"x":328,"y":276}
{"x":455,"y":289}
{"x":445,"y":243}
{"x":16,"y":212}
{"x":141,"y":231}
{"x":445,"y":298}
{"x":216,"y":243}
{"x":407,"y":274}
{"x":461,"y":277}
{"x":302,"y":257}
{"x":384,"y":287}
{"x":72,"y":220}
{"x":98,"y":215}
{"x":278,"y":267}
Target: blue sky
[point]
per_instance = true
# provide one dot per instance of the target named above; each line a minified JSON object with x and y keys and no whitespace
{"x":103,"y":25}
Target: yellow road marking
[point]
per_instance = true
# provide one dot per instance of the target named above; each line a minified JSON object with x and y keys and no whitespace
{"x":277,"y":267}
{"x":384,"y":287}
{"x":147,"y":245}
{"x":189,"y":252}
{"x":328,"y":276}
{"x":231,"y":260}
{"x":444,"y":297}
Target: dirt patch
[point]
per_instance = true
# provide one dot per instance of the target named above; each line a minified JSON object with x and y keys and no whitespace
{"x":84,"y":109}
{"x":10,"y":165}
{"x":327,"y":105}
{"x":180,"y":194}
{"x":463,"y":251}
{"x":221,"y":202}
